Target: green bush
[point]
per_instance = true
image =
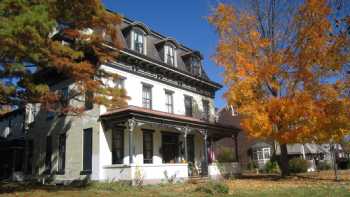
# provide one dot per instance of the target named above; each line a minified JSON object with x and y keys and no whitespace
{"x":271,"y":167}
{"x":225,"y":155}
{"x":213,"y":188}
{"x":298,"y":165}
{"x":323,"y":166}
{"x":252,"y":165}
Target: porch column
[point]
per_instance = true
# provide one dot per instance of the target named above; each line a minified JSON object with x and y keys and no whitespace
{"x":235,"y":136}
{"x":131,"y":124}
{"x":205,"y":162}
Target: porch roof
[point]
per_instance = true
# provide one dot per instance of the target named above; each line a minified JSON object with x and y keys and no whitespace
{"x":141,"y":114}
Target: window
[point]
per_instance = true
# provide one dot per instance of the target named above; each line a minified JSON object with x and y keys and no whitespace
{"x":87,"y":151}
{"x":89,"y":96}
{"x":61,"y":153}
{"x":117,"y":146}
{"x":169,"y":102}
{"x":196,"y":66}
{"x":147,"y":96}
{"x":48,"y":155}
{"x":147,"y":146}
{"x":262,"y":154}
{"x":188,"y":106}
{"x":206,"y":109}
{"x":169,"y":55}
{"x":170,"y":147}
{"x":138,"y":41}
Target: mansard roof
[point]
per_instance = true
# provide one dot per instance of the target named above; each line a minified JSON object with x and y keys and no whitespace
{"x":154,"y":53}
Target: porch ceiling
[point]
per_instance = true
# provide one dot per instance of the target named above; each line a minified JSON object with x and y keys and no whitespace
{"x":121,"y":115}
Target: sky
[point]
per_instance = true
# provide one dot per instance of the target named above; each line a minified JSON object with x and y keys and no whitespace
{"x":184,"y":20}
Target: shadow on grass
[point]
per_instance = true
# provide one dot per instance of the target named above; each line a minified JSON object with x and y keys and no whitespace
{"x":11,"y":187}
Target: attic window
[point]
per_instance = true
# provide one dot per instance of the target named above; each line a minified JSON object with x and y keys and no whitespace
{"x":169,"y":55}
{"x":196,"y":66}
{"x":138,"y":41}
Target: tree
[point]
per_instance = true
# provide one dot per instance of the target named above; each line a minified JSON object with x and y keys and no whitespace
{"x":44,"y":41}
{"x":285,"y":68}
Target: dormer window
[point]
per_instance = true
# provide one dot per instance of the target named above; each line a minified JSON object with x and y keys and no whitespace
{"x":169,"y":55}
{"x":193,"y":63}
{"x":196,"y":66}
{"x":138,"y":41}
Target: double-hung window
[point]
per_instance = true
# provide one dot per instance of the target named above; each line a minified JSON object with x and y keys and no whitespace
{"x":147,"y":146}
{"x":188,"y":106}
{"x":169,"y":101}
{"x":87,"y":151}
{"x":117,"y":146}
{"x":61,"y":153}
{"x":205,"y":110}
{"x":196,"y":66}
{"x":147,"y":96}
{"x":169,"y":55}
{"x":139,"y":41}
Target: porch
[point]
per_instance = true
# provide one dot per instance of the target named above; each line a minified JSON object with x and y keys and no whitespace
{"x":152,"y":146}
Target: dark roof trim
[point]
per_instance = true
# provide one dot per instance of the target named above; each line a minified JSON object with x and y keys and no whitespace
{"x":163,"y":65}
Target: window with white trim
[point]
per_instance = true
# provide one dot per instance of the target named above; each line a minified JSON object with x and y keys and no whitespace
{"x":169,"y":102}
{"x":169,"y":55}
{"x":138,"y":41}
{"x":147,"y":96}
{"x":262,"y":154}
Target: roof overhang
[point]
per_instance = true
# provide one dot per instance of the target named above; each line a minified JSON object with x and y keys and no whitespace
{"x":121,"y":115}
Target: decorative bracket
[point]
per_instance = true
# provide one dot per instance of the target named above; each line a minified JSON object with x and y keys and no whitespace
{"x":131,"y":124}
{"x":204,"y":132}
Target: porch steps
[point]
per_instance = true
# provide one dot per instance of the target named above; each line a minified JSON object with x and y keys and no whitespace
{"x":198,"y":179}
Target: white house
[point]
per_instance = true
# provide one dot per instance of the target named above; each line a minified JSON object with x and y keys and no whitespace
{"x":164,"y":134}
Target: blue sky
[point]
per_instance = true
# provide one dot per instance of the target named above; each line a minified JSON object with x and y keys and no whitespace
{"x":183,"y":20}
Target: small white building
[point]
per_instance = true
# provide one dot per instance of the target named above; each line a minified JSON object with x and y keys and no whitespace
{"x":164,"y":134}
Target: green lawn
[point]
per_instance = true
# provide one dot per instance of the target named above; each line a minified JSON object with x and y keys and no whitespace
{"x":310,"y":184}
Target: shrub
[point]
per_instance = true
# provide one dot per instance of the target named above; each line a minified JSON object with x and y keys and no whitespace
{"x":225,"y":155}
{"x":323,"y":166}
{"x":252,"y":165}
{"x":298,"y":165}
{"x":271,"y":167}
{"x":213,"y":188}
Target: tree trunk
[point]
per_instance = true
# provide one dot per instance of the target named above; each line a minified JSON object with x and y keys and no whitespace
{"x":283,"y":160}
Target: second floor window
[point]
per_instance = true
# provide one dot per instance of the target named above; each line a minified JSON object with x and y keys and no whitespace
{"x":188,"y":106}
{"x":206,"y":110}
{"x":169,"y":55}
{"x":139,"y":41}
{"x":169,"y":104}
{"x":147,"y":96}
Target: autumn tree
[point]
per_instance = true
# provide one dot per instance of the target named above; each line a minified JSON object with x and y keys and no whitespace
{"x":285,"y":67}
{"x":45,"y":41}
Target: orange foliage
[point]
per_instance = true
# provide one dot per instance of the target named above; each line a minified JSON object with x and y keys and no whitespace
{"x":291,"y":90}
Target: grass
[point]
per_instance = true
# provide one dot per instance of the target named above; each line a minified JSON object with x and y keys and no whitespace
{"x":308,"y":184}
